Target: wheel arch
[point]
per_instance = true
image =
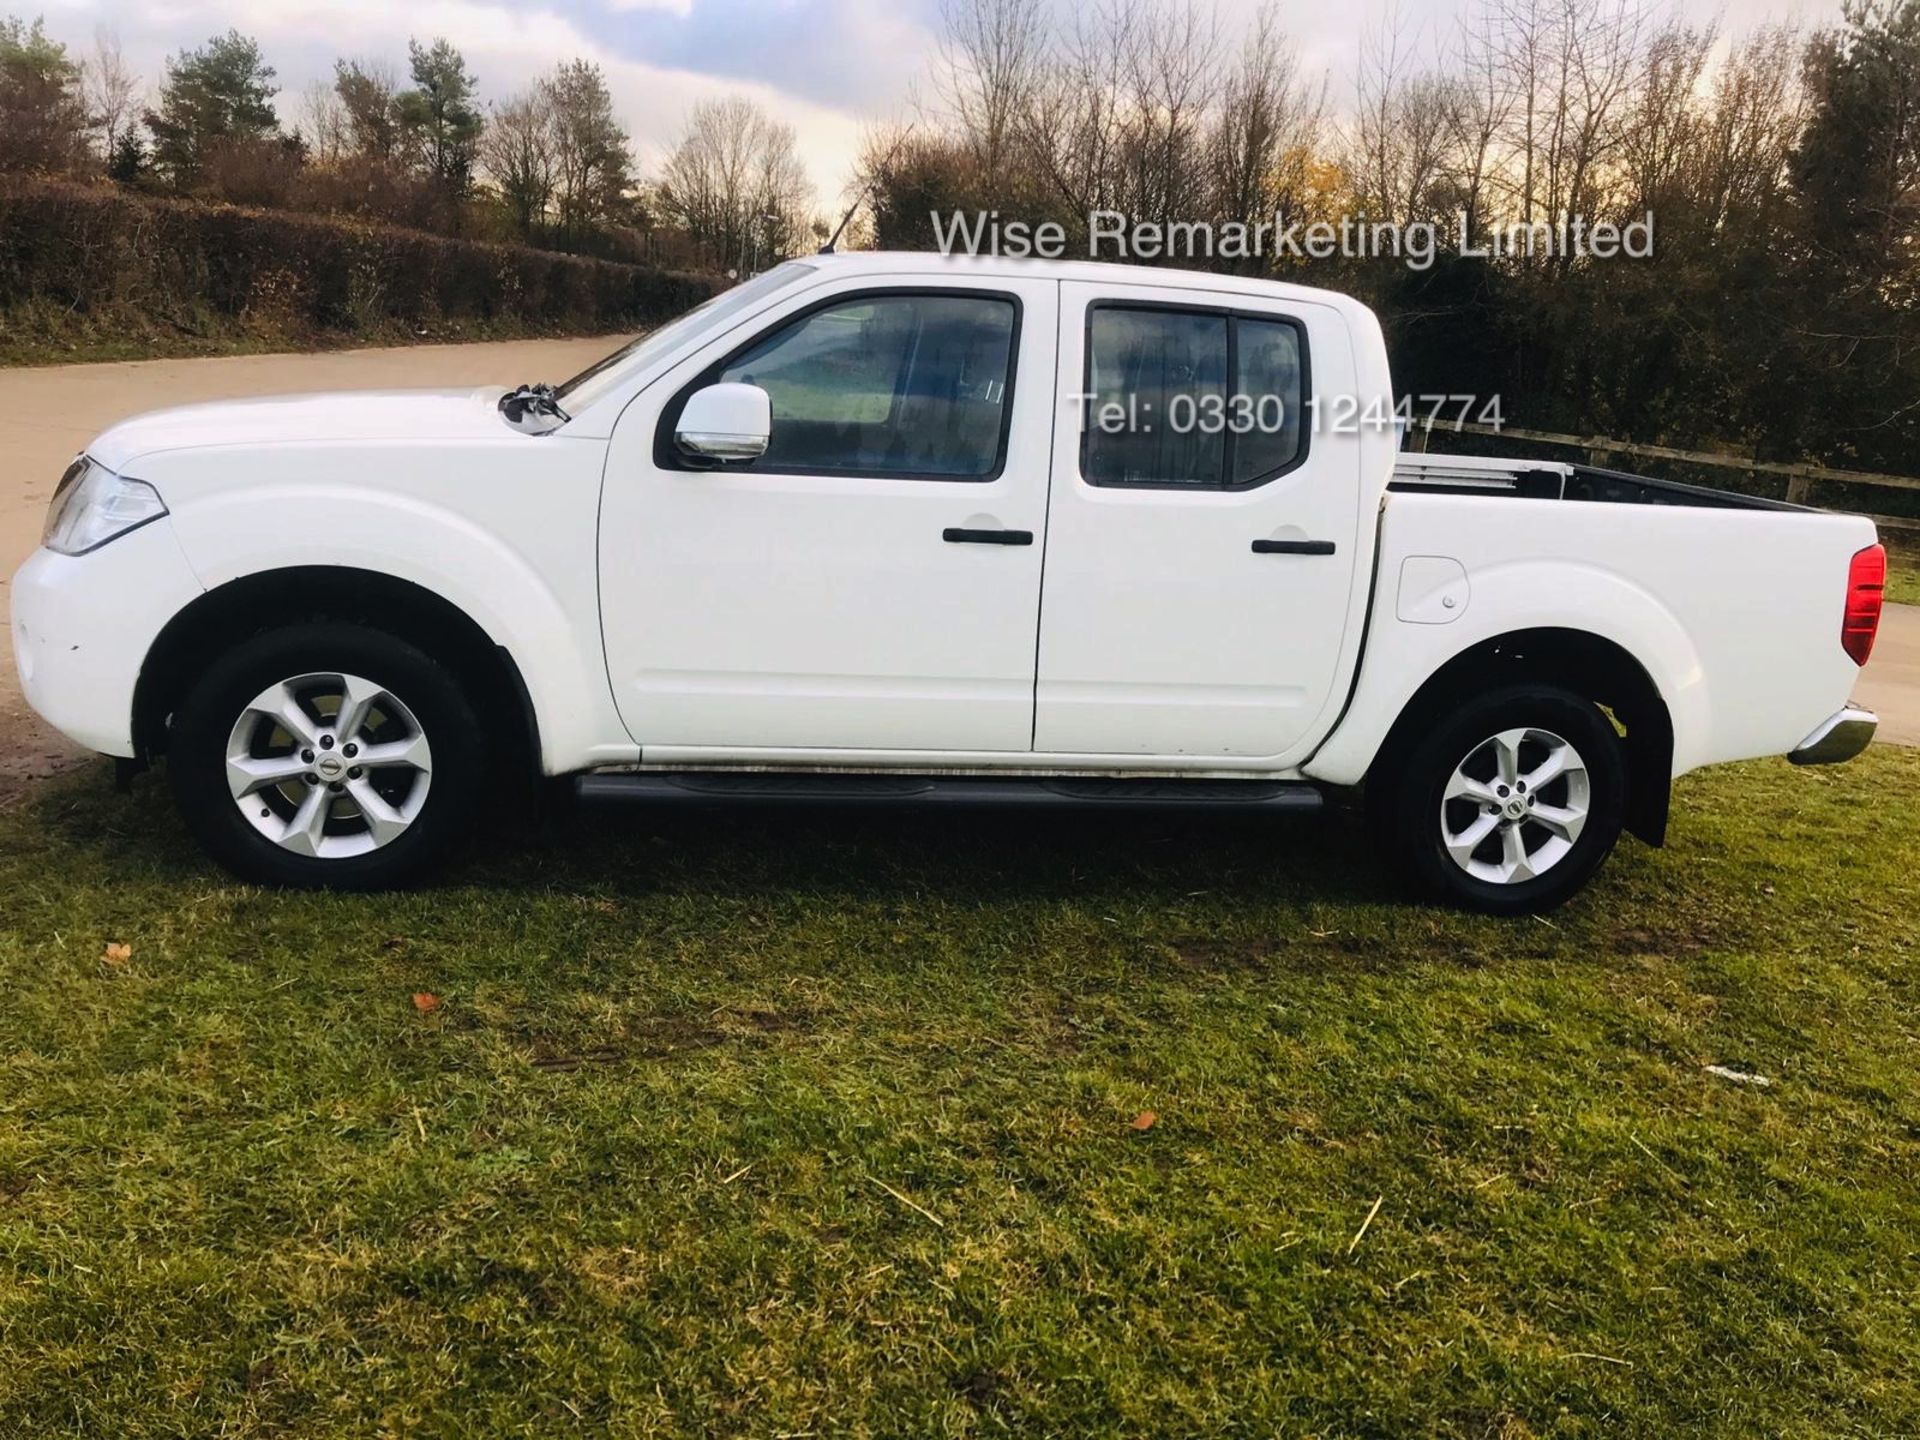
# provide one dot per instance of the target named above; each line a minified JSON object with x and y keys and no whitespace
{"x":1589,"y":665}
{"x":269,"y":599}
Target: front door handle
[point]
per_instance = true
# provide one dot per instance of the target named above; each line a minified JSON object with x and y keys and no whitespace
{"x":959,"y":535}
{"x":1293,"y":547}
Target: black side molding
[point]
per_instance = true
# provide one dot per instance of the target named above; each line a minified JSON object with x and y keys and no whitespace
{"x":1293,"y":547}
{"x":958,"y":535}
{"x":750,"y":787}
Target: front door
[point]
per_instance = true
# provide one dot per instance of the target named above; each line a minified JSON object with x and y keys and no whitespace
{"x":873,"y":580}
{"x":1203,"y":528}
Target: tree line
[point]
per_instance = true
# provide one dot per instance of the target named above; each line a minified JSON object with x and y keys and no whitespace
{"x":1780,"y":311}
{"x":550,"y":166}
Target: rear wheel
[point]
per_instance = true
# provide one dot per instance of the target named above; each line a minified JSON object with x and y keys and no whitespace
{"x":326,"y":755}
{"x":1508,"y":804}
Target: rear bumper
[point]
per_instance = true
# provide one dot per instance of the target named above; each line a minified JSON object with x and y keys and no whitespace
{"x":1841,"y":736}
{"x":82,"y":626}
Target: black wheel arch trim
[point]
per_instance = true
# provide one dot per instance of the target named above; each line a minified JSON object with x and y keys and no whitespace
{"x":267,"y":599}
{"x":1589,"y":665}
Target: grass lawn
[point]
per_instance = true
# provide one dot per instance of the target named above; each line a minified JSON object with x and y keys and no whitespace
{"x":816,"y":1124}
{"x":1903,"y":576}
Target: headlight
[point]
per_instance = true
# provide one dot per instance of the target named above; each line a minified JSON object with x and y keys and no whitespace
{"x":93,"y":505}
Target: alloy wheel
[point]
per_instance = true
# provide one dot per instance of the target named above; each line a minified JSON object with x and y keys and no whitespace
{"x":329,"y":765}
{"x":1515,"y":806}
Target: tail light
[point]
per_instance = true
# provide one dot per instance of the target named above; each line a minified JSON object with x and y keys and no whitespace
{"x":1866,"y":585}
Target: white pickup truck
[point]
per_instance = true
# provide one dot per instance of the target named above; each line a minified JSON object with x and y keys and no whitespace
{"x":901,"y":528}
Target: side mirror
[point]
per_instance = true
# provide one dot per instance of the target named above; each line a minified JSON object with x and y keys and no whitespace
{"x":726,"y":422}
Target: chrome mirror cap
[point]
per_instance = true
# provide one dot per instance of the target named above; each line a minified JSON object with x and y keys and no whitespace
{"x":726,"y":422}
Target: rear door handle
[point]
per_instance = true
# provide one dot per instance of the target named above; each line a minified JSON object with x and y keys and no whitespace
{"x":1293,"y":547}
{"x":957,"y":535}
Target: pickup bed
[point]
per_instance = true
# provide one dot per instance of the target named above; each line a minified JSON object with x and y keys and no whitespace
{"x":902,"y":528}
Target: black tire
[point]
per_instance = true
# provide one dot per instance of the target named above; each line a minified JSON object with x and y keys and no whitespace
{"x":1405,"y":803}
{"x":198,"y":735}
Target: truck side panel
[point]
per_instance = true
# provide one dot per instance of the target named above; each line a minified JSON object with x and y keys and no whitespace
{"x":1735,"y":614}
{"x":508,"y":545}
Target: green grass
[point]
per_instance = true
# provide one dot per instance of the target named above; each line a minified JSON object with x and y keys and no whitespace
{"x":824,"y":1125}
{"x":1903,"y":576}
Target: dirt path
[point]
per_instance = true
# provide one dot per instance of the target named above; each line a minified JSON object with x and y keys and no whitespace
{"x":48,"y":414}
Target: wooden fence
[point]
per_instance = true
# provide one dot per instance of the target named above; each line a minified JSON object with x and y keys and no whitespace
{"x":1800,"y":478}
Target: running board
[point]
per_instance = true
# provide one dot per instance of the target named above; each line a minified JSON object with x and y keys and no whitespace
{"x":771,"y":788}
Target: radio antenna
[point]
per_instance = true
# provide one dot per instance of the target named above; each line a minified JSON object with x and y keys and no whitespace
{"x":865,"y":195}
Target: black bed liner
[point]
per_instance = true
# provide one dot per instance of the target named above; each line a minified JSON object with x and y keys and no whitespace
{"x":1584,"y":482}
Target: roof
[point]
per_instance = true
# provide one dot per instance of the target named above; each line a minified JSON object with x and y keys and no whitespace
{"x":1092,"y":272}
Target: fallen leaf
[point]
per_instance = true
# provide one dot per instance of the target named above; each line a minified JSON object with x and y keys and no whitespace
{"x":116,"y":953}
{"x":425,"y":1002}
{"x":1145,"y":1120}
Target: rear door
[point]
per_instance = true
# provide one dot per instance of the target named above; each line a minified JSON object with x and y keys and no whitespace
{"x":873,"y":581}
{"x":1203,"y":524}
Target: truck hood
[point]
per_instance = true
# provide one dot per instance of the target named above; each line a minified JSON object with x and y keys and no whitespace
{"x":304,"y":419}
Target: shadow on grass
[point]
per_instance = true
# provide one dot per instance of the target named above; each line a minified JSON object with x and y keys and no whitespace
{"x":1190,"y":900}
{"x":742,"y":852}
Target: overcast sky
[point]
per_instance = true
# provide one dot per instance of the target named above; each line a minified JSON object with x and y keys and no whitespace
{"x":827,"y":67}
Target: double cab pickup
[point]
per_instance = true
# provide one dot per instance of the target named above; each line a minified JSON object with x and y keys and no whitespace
{"x":892,"y":528}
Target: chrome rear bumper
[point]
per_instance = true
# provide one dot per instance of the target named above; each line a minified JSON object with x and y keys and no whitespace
{"x":1840,"y":737}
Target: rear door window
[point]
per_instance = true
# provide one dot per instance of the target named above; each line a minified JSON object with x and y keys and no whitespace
{"x":1191,"y":398}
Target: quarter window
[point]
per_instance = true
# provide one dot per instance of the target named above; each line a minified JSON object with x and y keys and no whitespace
{"x":1267,"y":374}
{"x":1199,"y":398}
{"x":896,"y":385}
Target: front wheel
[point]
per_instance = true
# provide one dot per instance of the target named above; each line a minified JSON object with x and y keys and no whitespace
{"x":326,"y":756}
{"x":1509,"y":803}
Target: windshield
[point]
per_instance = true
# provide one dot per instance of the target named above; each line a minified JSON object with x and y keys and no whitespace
{"x":594,"y":381}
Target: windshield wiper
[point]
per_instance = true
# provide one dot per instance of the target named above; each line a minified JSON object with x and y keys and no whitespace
{"x":533,"y":408}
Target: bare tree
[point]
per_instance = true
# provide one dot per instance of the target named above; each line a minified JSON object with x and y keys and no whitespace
{"x":1172,"y":77}
{"x":1482,"y":102}
{"x":1755,"y":118}
{"x":111,"y":88}
{"x":736,"y":185}
{"x":1264,"y":130}
{"x":991,"y":56}
{"x":1077,"y":117}
{"x":519,"y":153}
{"x":1573,"y":66}
{"x":1603,"y":50}
{"x":324,"y":125}
{"x":1661,"y":132}
{"x":1403,"y":128}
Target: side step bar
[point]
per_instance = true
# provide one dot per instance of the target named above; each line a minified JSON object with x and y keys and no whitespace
{"x":770,"y":788}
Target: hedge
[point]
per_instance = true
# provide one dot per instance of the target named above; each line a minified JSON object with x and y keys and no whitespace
{"x":95,"y":255}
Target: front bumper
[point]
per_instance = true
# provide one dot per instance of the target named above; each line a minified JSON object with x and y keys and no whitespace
{"x":1841,"y":736}
{"x":82,"y":627}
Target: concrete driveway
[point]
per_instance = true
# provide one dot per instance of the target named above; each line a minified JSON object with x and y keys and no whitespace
{"x":48,"y":414}
{"x":1890,"y":685}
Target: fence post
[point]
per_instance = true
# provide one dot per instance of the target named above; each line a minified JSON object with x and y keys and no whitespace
{"x":1799,"y":486}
